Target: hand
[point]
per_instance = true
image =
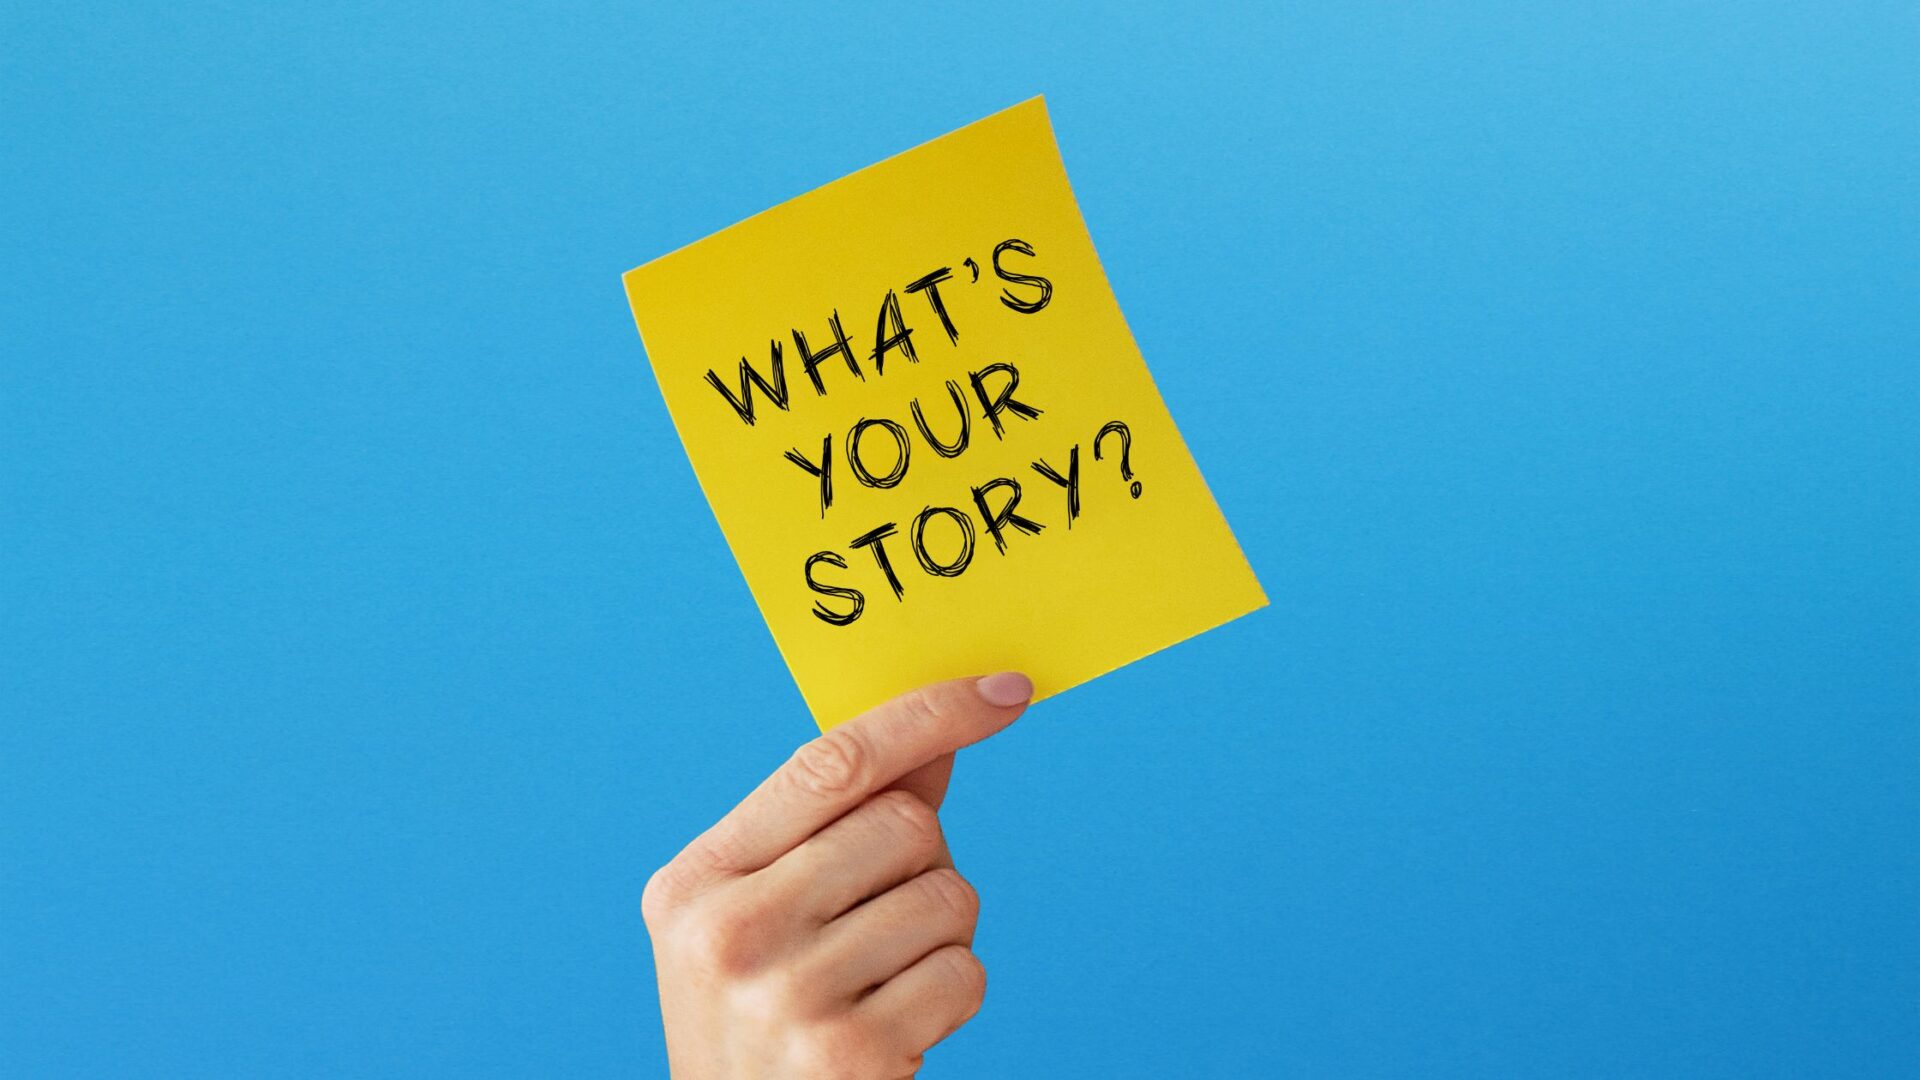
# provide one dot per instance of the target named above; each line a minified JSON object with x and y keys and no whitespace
{"x":819,"y":930}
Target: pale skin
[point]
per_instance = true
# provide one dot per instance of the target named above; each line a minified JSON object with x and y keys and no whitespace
{"x":820,"y":929}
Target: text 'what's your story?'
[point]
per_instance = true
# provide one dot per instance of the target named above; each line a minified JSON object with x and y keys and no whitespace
{"x":944,"y":426}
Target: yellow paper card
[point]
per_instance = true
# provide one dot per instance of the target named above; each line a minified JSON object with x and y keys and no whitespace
{"x":927,"y":433}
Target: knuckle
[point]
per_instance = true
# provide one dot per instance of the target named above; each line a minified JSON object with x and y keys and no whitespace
{"x":839,"y":1049}
{"x":713,"y":855}
{"x":965,"y":970}
{"x":916,"y":822}
{"x":833,"y":764}
{"x":775,"y":997}
{"x":920,"y":706}
{"x":953,"y":893}
{"x":661,"y":896}
{"x":722,"y":940}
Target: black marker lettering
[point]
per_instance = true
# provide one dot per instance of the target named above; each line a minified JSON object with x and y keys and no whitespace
{"x":824,"y":470}
{"x":927,"y":563}
{"x":1006,"y":295}
{"x":1002,"y":401}
{"x":776,"y":391}
{"x":931,"y":286}
{"x":899,"y":337}
{"x":1071,"y":481}
{"x":858,"y":464}
{"x":811,"y":361}
{"x":966,"y":423}
{"x":821,"y":610}
{"x":873,"y":539}
{"x":998,"y":520}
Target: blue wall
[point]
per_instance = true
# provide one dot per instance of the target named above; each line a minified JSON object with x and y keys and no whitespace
{"x":365,"y":641}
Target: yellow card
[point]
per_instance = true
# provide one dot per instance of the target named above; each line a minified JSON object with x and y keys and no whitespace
{"x":927,"y":433}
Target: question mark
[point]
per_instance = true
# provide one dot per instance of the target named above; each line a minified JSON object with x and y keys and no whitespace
{"x":1115,"y":427}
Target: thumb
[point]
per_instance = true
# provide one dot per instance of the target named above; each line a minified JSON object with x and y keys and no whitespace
{"x":929,"y":781}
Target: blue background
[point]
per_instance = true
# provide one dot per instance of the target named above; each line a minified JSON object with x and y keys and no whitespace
{"x":366,"y":641}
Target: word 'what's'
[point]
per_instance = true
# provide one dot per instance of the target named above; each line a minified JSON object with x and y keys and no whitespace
{"x":891,"y":335}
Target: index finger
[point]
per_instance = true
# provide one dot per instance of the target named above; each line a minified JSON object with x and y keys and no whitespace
{"x":839,"y":770}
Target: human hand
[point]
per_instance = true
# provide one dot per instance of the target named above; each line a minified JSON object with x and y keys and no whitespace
{"x":819,"y":929}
